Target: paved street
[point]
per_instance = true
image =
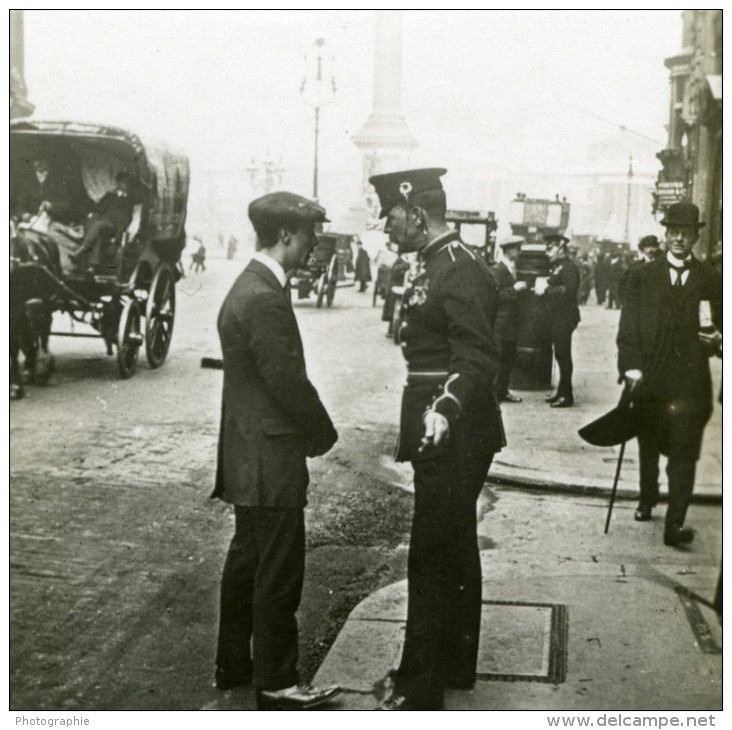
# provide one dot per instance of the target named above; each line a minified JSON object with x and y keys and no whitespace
{"x":116,"y":549}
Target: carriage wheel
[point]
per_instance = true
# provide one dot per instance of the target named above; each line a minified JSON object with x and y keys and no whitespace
{"x":321,"y":287}
{"x":332,"y":280}
{"x":129,"y":338}
{"x":160,"y":316}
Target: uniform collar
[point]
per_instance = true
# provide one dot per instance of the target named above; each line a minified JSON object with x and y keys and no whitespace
{"x":430,"y":249}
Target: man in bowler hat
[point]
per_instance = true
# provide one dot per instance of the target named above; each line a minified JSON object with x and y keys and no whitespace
{"x":450,"y":428}
{"x":272,"y":420}
{"x":663,"y":357}
{"x":563,"y":314}
{"x":507,"y":321}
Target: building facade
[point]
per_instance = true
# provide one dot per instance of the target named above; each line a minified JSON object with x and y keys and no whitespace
{"x":692,"y":159}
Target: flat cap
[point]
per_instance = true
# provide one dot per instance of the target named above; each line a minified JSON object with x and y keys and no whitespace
{"x":285,"y":207}
{"x":511,"y":241}
{"x":396,"y":187}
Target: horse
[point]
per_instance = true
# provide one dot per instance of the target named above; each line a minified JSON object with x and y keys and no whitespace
{"x":33,"y":256}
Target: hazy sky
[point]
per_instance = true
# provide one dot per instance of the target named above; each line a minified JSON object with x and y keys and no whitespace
{"x":511,"y":89}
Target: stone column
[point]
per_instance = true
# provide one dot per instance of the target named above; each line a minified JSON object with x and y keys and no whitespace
{"x":385,"y":140}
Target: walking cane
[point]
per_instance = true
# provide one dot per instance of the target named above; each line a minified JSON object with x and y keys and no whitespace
{"x":615,"y":486}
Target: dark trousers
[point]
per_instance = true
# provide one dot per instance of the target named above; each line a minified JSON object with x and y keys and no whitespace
{"x":260,"y":594}
{"x":99,"y":233}
{"x":562,"y":344}
{"x":680,"y":470}
{"x":444,"y":578}
{"x":503,"y":376}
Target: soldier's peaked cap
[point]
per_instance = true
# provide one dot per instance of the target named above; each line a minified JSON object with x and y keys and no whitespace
{"x":285,"y":207}
{"x":397,"y":187}
{"x":512,"y":241}
{"x":555,"y":238}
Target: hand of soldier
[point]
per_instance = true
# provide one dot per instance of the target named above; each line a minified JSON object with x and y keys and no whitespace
{"x":520,"y":286}
{"x":436,"y":429}
{"x":633,"y":379}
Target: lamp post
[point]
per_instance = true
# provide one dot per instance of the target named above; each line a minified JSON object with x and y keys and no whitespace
{"x":318,"y":89}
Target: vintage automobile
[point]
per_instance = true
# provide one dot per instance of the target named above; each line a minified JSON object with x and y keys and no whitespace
{"x":130,"y":302}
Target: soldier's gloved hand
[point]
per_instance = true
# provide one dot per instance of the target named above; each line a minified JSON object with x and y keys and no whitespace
{"x":436,"y":429}
{"x":633,"y":379}
{"x":520,"y":286}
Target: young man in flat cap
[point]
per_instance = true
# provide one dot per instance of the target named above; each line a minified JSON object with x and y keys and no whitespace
{"x":506,"y":329}
{"x":563,"y":313}
{"x":450,"y":429}
{"x":272,"y":420}
{"x":663,"y":357}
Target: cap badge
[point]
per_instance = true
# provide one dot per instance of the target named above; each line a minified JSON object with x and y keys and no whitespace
{"x":405,"y":188}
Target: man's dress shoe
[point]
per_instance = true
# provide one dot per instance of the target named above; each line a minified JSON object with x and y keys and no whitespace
{"x":229,"y":678}
{"x":678,"y":536}
{"x":643,"y":513}
{"x":562,"y":403}
{"x":302,"y":698}
{"x":552,"y":398}
{"x":397,"y":703}
{"x":511,"y":398}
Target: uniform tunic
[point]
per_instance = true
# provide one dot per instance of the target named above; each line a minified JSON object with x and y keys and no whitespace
{"x":452,"y":360}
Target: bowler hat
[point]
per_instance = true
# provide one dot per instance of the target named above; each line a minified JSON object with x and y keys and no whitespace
{"x":554,"y":238}
{"x":397,"y":187}
{"x":511,"y":241}
{"x":648,"y":242}
{"x":682,"y":214}
{"x":285,"y":207}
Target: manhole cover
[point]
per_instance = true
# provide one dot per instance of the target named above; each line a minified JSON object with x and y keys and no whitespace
{"x":523,"y":642}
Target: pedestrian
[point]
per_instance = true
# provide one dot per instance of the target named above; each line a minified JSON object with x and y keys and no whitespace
{"x":198,"y":258}
{"x":507,"y":320}
{"x":563,"y":315}
{"x":586,"y":279}
{"x":616,"y":274}
{"x":271,"y":420}
{"x":450,"y":428}
{"x":231,"y":247}
{"x":669,"y":327}
{"x":602,"y":276}
{"x":362,"y":265}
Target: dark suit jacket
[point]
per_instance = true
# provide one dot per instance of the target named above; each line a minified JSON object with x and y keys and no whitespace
{"x":644,"y":335}
{"x":33,"y":193}
{"x":561,"y":295}
{"x":117,"y":209}
{"x":271,"y":415}
{"x":507,"y":318}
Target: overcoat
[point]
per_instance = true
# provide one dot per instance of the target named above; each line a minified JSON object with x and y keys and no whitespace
{"x":362,"y":266}
{"x":561,"y":296}
{"x":271,"y":415}
{"x":659,"y":335}
{"x":507,"y":319}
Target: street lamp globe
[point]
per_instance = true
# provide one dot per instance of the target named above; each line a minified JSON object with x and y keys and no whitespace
{"x":318,"y":89}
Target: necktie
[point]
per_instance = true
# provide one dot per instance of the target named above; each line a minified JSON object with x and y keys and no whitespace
{"x":679,"y":271}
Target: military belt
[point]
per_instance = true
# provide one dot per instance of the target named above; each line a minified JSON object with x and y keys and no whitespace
{"x":421,"y":376}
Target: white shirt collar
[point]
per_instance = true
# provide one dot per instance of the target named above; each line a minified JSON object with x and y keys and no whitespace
{"x":272,"y":265}
{"x":674,"y":261}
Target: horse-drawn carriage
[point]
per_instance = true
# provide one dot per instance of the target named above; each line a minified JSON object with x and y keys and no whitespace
{"x":129,"y":299}
{"x":321,"y":274}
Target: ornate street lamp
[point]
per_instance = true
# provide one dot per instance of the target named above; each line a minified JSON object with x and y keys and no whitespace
{"x":318,"y":89}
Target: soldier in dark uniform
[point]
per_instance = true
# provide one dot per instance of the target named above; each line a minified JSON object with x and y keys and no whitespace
{"x":507,"y":321}
{"x":450,"y":429}
{"x":563,"y":313}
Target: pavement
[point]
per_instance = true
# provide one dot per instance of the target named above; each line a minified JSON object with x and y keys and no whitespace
{"x":573,"y":619}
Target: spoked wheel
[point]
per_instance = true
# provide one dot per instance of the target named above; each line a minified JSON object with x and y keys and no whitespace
{"x":332,"y":280}
{"x":129,"y":338}
{"x":160,"y":316}
{"x":321,"y":288}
